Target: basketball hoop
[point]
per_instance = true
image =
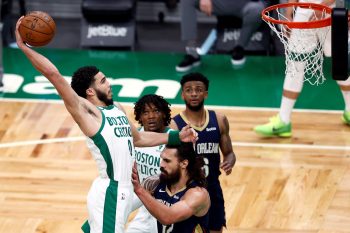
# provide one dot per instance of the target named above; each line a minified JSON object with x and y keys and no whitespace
{"x":303,"y":36}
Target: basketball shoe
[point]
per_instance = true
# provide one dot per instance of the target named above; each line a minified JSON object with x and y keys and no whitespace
{"x":346,"y":117}
{"x":238,"y":57}
{"x":276,"y":127}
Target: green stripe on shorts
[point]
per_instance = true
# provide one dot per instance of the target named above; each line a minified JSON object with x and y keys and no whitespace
{"x":110,"y":207}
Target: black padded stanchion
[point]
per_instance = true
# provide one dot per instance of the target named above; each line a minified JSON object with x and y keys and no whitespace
{"x":108,"y":23}
{"x":340,"y":44}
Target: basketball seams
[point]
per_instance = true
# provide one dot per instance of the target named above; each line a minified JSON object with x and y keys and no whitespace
{"x":37,"y":31}
{"x":37,"y":28}
{"x":48,"y":24}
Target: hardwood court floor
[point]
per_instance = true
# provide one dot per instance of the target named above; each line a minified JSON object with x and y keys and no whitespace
{"x":299,"y":185}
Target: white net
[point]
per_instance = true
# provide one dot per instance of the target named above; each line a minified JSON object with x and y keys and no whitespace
{"x":303,"y":46}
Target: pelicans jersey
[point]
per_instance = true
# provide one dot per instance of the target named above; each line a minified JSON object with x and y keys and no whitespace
{"x":111,"y":193}
{"x":148,"y":164}
{"x":193,"y":224}
{"x":208,"y":146}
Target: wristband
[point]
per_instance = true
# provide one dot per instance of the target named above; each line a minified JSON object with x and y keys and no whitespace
{"x":174,"y":138}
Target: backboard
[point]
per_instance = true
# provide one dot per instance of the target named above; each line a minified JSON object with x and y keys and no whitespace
{"x":340,"y":48}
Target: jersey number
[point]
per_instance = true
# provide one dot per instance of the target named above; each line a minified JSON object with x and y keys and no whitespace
{"x":206,"y":167}
{"x":167,"y":228}
{"x":130,"y":147}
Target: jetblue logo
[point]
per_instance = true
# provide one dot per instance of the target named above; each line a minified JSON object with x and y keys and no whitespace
{"x":233,"y":35}
{"x":106,"y":31}
{"x":210,"y":129}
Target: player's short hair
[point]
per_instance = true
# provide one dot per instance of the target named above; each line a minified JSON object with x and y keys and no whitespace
{"x":158,"y":101}
{"x":195,"y":162}
{"x":83,"y":78}
{"x":195,"y":77}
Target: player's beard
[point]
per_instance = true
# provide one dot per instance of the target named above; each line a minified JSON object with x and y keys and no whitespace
{"x":104,"y":98}
{"x":195,"y":108}
{"x":169,"y":179}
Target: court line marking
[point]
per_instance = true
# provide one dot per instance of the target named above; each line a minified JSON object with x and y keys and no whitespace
{"x":242,"y":108}
{"x":42,"y":141}
{"x":238,"y":144}
{"x":241,"y":144}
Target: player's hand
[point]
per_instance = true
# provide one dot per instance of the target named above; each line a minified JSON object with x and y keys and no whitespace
{"x":135,"y":179}
{"x":19,"y":40}
{"x":227,"y":167}
{"x":206,"y":6}
{"x":188,"y":134}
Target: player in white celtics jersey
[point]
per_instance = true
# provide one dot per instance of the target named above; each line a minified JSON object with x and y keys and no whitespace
{"x":153,"y":114}
{"x":110,"y":137}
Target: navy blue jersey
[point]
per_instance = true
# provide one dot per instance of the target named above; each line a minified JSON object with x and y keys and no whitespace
{"x":208,"y":144}
{"x":190,"y":225}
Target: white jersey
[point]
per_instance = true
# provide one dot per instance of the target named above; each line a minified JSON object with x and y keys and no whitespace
{"x":110,"y":196}
{"x":148,"y":159}
{"x":112,"y":147}
{"x":148,"y":164}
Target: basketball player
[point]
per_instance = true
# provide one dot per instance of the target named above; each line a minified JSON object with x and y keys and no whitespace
{"x":153,"y":114}
{"x":280,"y":125}
{"x":180,"y":201}
{"x":213,"y":134}
{"x":110,"y":138}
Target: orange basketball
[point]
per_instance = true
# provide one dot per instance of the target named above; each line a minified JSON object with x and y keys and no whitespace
{"x":37,"y":28}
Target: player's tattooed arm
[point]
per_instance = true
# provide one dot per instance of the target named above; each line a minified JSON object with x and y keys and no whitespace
{"x":150,"y":183}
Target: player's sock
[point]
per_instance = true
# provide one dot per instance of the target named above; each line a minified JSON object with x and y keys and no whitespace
{"x":345,"y":90}
{"x":346,"y":96}
{"x":286,"y":109}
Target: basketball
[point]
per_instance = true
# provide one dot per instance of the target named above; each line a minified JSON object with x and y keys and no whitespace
{"x":37,"y":28}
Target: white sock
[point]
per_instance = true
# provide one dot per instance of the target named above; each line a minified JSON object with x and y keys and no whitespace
{"x":346,"y":96}
{"x":286,"y":109}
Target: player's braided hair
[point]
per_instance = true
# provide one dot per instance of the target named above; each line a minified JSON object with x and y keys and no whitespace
{"x":159,"y":102}
{"x":83,"y":78}
{"x":195,"y":77}
{"x":195,"y":162}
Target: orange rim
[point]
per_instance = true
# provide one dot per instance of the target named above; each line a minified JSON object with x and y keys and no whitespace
{"x":313,"y":24}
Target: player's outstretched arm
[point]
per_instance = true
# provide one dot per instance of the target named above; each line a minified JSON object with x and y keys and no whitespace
{"x":147,"y":138}
{"x":45,"y":67}
{"x":229,"y":157}
{"x":77,"y":106}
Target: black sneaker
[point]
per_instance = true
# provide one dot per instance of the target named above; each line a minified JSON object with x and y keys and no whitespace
{"x":188,"y":62}
{"x":238,"y":57}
